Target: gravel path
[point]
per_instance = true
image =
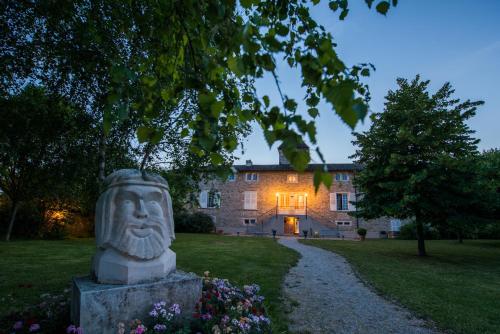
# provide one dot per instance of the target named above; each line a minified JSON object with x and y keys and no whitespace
{"x":327,"y":297}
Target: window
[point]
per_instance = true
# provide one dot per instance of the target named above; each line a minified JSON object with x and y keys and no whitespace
{"x":249,"y":221}
{"x":341,"y":177}
{"x":250,"y":200}
{"x":231,"y":177}
{"x":342,"y":201}
{"x":252,"y":177}
{"x":292,"y":178}
{"x":343,"y":223}
{"x":213,"y":199}
{"x":342,"y":204}
{"x":209,"y":199}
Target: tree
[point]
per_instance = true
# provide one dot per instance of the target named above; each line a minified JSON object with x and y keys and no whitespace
{"x":137,"y":59}
{"x":47,"y":150}
{"x":414,"y":155}
{"x":488,"y":167}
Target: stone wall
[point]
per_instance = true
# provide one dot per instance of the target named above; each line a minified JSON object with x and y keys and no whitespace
{"x":229,"y":218}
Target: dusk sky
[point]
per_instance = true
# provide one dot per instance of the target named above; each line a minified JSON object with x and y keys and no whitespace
{"x":446,"y":40}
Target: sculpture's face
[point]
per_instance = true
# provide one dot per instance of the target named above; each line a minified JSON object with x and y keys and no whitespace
{"x":139,"y":223}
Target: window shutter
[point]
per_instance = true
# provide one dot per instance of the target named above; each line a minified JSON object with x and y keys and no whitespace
{"x":246,"y":200}
{"x":333,"y":202}
{"x":352,"y":198}
{"x":217,"y":199}
{"x":203,"y":199}
{"x":250,"y":200}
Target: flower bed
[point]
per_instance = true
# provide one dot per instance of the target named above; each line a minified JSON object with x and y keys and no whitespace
{"x":222,"y":308}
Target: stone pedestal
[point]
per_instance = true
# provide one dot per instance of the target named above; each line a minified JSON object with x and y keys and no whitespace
{"x":98,"y":308}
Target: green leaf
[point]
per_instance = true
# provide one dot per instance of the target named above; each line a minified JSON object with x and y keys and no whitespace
{"x":246,"y":3}
{"x":313,"y":112}
{"x":383,"y":7}
{"x":266,"y":100}
{"x":317,"y":180}
{"x":207,"y":143}
{"x":157,"y":136}
{"x":236,"y":66}
{"x":281,"y":29}
{"x":326,"y":178}
{"x":216,"y":108}
{"x":320,"y":177}
{"x":270,"y":137}
{"x":122,"y":112}
{"x":290,"y":104}
{"x":144,"y":133}
{"x":185,"y":132}
{"x":365,"y":72}
{"x":343,"y":14}
{"x":206,"y":99}
{"x":165,"y":94}
{"x":216,"y":158}
{"x":300,"y":159}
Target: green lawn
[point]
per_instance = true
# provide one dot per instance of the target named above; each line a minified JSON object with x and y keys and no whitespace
{"x":30,"y":268}
{"x":457,"y":285}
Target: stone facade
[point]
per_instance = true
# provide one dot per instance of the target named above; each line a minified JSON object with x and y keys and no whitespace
{"x":281,"y":193}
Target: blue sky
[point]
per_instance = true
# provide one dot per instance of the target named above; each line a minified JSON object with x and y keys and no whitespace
{"x":446,"y":40}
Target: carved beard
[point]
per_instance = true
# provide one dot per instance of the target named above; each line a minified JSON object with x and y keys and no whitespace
{"x":146,"y":248}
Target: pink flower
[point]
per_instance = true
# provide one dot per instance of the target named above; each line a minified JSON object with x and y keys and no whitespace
{"x":34,"y":328}
{"x":140,"y":329}
{"x":18,"y":325}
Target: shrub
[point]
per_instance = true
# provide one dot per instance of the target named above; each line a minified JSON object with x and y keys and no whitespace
{"x":409,"y":232}
{"x":50,"y":315}
{"x":362,"y":232}
{"x":489,"y":231}
{"x":197,"y":222}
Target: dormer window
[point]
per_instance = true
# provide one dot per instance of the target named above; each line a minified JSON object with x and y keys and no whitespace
{"x":292,"y":178}
{"x":341,"y":177}
{"x":252,"y":177}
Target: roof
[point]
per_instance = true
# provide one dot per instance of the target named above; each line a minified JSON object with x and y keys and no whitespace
{"x":299,"y":146}
{"x":310,"y":167}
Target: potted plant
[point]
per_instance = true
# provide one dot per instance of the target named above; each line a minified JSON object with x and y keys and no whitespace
{"x":362,"y":233}
{"x":305,"y":233}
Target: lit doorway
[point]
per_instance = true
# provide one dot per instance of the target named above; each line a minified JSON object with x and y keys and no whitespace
{"x":291,"y":225}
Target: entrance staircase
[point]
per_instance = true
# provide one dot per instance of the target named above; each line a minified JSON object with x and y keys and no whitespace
{"x":316,"y":224}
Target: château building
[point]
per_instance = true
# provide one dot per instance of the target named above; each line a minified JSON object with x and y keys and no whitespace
{"x":257,"y":199}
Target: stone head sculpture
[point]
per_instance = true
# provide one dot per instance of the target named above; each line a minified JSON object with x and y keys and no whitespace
{"x":134,"y":228}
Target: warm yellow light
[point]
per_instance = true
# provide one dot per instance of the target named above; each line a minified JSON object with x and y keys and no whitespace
{"x":277,"y":194}
{"x":306,"y":194}
{"x":57,"y":215}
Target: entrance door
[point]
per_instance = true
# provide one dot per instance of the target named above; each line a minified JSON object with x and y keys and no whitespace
{"x":291,"y":225}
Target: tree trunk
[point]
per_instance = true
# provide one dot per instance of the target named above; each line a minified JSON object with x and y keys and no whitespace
{"x":15,"y":207}
{"x":102,"y":158}
{"x":147,"y":152}
{"x":420,"y":238}
{"x":460,"y":237}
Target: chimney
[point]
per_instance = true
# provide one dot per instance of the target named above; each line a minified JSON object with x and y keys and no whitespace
{"x":283,"y":160}
{"x":249,"y":163}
